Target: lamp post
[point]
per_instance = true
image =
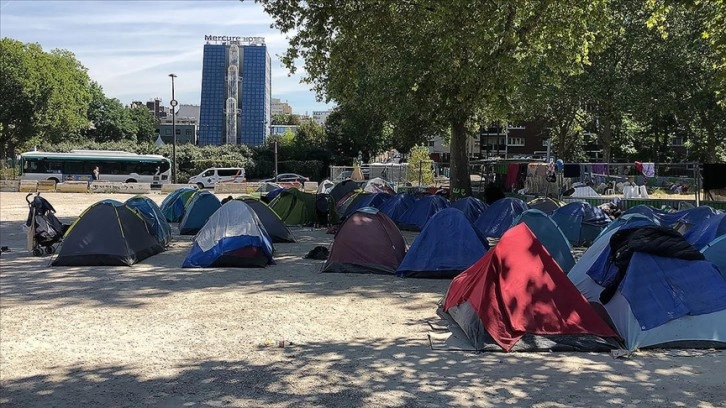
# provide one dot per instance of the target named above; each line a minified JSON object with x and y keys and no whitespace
{"x":173,"y":104}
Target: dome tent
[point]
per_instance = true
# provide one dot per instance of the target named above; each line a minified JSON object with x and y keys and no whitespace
{"x":107,"y":233}
{"x":233,"y":236}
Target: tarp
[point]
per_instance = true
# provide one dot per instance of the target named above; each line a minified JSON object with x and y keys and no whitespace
{"x":447,"y":245}
{"x":397,"y":205}
{"x":518,"y":289}
{"x":367,"y":242}
{"x":715,"y":252}
{"x":153,"y":216}
{"x":197,"y":211}
{"x":498,"y":217}
{"x":661,"y":289}
{"x":699,"y":235}
{"x":173,"y":205}
{"x":421,"y":211}
{"x":107,"y":233}
{"x":550,"y":235}
{"x":266,"y":187}
{"x":274,"y":226}
{"x":472,"y":207}
{"x":580,"y":222}
{"x":687,"y":331}
{"x":325,"y":187}
{"x":233,"y":236}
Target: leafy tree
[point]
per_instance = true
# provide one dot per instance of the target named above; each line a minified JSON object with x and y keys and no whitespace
{"x":285,"y":119}
{"x":349,"y":130}
{"x":309,"y":134}
{"x":144,"y":122}
{"x":44,"y":95}
{"x":447,"y":60}
{"x":419,"y":166}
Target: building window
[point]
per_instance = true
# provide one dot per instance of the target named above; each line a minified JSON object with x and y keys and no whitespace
{"x":516,"y":141}
{"x":188,"y":132}
{"x":167,"y":131}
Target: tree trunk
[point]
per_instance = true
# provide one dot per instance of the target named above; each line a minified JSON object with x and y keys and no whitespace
{"x":606,"y":138}
{"x":459,"y":175}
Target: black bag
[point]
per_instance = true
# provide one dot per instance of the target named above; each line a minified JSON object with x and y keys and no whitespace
{"x":319,"y":252}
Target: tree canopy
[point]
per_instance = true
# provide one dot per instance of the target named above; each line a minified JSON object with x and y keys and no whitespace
{"x":452,"y":62}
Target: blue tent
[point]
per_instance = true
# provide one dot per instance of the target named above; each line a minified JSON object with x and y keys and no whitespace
{"x":366,"y":200}
{"x":654,"y":214}
{"x":706,"y":231}
{"x":715,"y":251}
{"x":472,"y":207}
{"x":419,"y":213}
{"x":274,"y":193}
{"x":550,"y":235}
{"x":173,"y":205}
{"x":395,"y":206}
{"x":447,"y":245}
{"x":233,"y":236}
{"x":660,"y":301}
{"x":147,"y":208}
{"x":602,"y":246}
{"x":197,"y":211}
{"x":580,"y":222}
{"x":498,"y":217}
{"x":684,"y":220}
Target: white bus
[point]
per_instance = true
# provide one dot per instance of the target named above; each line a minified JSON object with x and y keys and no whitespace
{"x":78,"y":165}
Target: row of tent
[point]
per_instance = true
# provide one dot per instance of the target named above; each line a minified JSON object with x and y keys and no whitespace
{"x":113,"y":233}
{"x":664,"y":287}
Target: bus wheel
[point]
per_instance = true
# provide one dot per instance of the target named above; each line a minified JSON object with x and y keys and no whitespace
{"x":131,"y":181}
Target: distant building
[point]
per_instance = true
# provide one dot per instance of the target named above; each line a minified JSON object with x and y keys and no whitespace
{"x":281,"y":129}
{"x":280,"y":108}
{"x":188,"y":111}
{"x":235,"y":97}
{"x":321,"y":116}
{"x":186,"y":131}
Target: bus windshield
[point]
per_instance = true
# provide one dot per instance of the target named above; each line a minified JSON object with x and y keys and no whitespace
{"x":78,"y":165}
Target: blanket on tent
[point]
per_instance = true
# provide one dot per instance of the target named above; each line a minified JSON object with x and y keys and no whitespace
{"x":662,"y":289}
{"x":657,"y":240}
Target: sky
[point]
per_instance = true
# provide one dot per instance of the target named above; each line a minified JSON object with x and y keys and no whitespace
{"x":131,"y":47}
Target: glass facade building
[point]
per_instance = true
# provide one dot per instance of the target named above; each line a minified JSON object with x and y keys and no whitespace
{"x":236,"y":89}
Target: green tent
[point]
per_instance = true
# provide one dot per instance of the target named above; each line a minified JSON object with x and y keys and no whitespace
{"x":298,"y":208}
{"x":294,"y":207}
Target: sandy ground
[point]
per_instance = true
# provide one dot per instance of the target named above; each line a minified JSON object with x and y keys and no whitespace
{"x":156,"y":334}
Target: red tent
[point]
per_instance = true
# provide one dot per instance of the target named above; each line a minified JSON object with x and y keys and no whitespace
{"x":517,"y":289}
{"x":367,"y":242}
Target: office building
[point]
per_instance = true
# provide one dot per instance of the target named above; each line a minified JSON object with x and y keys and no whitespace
{"x":236,"y":89}
{"x":280,"y":108}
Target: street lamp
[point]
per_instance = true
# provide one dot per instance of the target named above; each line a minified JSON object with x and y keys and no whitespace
{"x":173,"y":104}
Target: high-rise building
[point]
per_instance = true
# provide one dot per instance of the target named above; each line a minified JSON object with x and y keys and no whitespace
{"x":235,"y":100}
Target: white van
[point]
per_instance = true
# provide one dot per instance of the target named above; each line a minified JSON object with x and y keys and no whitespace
{"x":210,"y":177}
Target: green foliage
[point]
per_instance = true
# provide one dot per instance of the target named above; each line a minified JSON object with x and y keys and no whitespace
{"x":420,"y":170}
{"x":44,"y":95}
{"x":309,"y":135}
{"x":285,"y":119}
{"x":191,"y":159}
{"x":350,"y":130}
{"x":447,"y":61}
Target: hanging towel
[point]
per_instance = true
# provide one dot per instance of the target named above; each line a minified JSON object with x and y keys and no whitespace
{"x":639,"y":167}
{"x":532,"y":169}
{"x":541,"y":170}
{"x":571,"y":170}
{"x":649,"y":169}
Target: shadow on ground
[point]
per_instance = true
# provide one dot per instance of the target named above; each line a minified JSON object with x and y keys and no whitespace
{"x":26,"y":278}
{"x":386,"y":373}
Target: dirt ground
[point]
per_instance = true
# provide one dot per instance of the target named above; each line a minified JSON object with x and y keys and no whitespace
{"x":284,"y":336}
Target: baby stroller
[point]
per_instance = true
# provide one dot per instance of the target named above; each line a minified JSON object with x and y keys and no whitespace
{"x":44,"y":229}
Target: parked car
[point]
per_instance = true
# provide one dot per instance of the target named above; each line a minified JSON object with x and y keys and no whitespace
{"x":287,"y":178}
{"x":210,"y":177}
